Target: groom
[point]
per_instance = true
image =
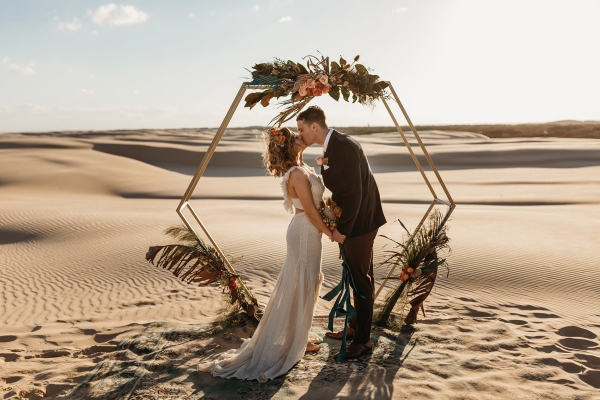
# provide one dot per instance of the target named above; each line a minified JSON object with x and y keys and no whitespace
{"x":346,"y":173}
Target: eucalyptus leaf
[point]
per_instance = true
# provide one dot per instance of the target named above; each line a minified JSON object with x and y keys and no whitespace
{"x":361,"y":69}
{"x":345,"y":93}
{"x":302,"y":68}
{"x":342,"y":62}
{"x":334,"y":92}
{"x":335,"y":66}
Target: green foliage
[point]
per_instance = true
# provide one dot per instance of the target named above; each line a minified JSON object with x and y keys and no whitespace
{"x":334,"y":92}
{"x":361,"y":69}
{"x":345,"y":93}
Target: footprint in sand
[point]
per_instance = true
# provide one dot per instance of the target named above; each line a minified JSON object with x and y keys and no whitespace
{"x":591,"y":362}
{"x":545,"y":315}
{"x":591,"y":377}
{"x":575,"y":331}
{"x":55,"y":353}
{"x":8,"y":357}
{"x":578,"y":344}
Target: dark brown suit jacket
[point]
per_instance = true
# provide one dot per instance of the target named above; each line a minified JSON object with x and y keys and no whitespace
{"x":353,"y":186}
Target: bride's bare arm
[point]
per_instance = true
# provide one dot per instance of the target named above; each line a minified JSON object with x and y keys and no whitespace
{"x":301,"y":186}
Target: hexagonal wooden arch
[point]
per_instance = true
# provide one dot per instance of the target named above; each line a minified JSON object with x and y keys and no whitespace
{"x":238,"y":98}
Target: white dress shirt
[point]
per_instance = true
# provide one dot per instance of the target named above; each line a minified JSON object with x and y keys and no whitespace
{"x":327,"y":140}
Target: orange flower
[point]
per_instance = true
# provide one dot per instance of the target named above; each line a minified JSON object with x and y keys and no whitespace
{"x":416,"y":274}
{"x":404,"y":277}
{"x":409,"y":270}
{"x":319,"y":85}
{"x":317,"y":92}
{"x":232,"y":283}
{"x":326,"y":89}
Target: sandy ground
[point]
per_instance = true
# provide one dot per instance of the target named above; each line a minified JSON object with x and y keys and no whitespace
{"x":518,"y":316}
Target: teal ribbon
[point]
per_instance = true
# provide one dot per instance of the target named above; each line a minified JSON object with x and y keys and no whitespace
{"x":342,"y":305}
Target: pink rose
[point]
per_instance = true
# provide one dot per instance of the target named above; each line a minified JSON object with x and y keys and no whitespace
{"x":302,"y":92}
{"x":323,"y":79}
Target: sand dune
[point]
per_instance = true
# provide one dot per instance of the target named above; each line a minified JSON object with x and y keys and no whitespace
{"x":78,"y":211}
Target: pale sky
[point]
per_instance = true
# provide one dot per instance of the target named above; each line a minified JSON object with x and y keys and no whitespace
{"x":88,"y":65}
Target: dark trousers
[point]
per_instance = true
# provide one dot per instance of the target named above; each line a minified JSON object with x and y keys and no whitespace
{"x":359,"y":254}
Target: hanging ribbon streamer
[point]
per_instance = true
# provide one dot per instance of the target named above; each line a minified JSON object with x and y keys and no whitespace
{"x":342,"y":305}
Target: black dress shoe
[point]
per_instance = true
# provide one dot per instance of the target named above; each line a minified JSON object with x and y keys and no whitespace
{"x":340,"y":335}
{"x":355,"y":349}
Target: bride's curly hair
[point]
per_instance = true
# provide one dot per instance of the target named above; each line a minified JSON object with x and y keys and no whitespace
{"x":280,"y":153}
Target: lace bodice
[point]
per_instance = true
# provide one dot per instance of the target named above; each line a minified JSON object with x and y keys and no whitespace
{"x":316,"y":186}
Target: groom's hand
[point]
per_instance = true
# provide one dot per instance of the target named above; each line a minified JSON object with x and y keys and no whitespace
{"x":338,"y":237}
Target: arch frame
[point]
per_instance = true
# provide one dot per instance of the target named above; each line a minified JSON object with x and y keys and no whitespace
{"x":185,"y":200}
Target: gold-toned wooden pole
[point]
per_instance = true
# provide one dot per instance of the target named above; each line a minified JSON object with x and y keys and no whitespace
{"x":201,"y":168}
{"x":410,"y":150}
{"x":429,"y":160}
{"x":209,"y":236}
{"x":209,"y":153}
{"x":451,"y":205}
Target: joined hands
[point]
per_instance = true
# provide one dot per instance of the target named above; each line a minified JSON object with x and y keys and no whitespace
{"x":336,"y":236}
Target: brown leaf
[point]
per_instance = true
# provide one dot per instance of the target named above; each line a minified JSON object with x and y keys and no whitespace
{"x":152,"y":252}
{"x":234,"y":296}
{"x":251,"y":311}
{"x":252,"y":97}
{"x":265,"y":100}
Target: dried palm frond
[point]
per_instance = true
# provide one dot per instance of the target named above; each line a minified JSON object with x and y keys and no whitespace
{"x":195,"y":262}
{"x":420,"y":264}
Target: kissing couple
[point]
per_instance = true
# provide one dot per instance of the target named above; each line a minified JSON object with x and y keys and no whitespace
{"x":283,"y":333}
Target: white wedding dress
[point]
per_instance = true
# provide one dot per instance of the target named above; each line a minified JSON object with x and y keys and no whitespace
{"x":280,"y":339}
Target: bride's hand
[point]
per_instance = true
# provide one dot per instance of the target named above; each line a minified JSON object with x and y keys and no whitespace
{"x":337,"y":236}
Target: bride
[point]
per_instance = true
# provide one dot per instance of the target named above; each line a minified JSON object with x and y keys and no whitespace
{"x":282,"y":336}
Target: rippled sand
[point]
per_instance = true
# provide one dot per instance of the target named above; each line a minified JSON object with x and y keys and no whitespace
{"x":78,"y":211}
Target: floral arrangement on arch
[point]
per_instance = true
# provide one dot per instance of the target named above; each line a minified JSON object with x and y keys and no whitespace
{"x":303,"y":83}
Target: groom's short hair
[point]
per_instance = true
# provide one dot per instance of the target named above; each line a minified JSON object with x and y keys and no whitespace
{"x":313,"y":114}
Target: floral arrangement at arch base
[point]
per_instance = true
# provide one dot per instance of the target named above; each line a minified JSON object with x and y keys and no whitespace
{"x":420,"y":261}
{"x":320,"y":76}
{"x":195,"y":262}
